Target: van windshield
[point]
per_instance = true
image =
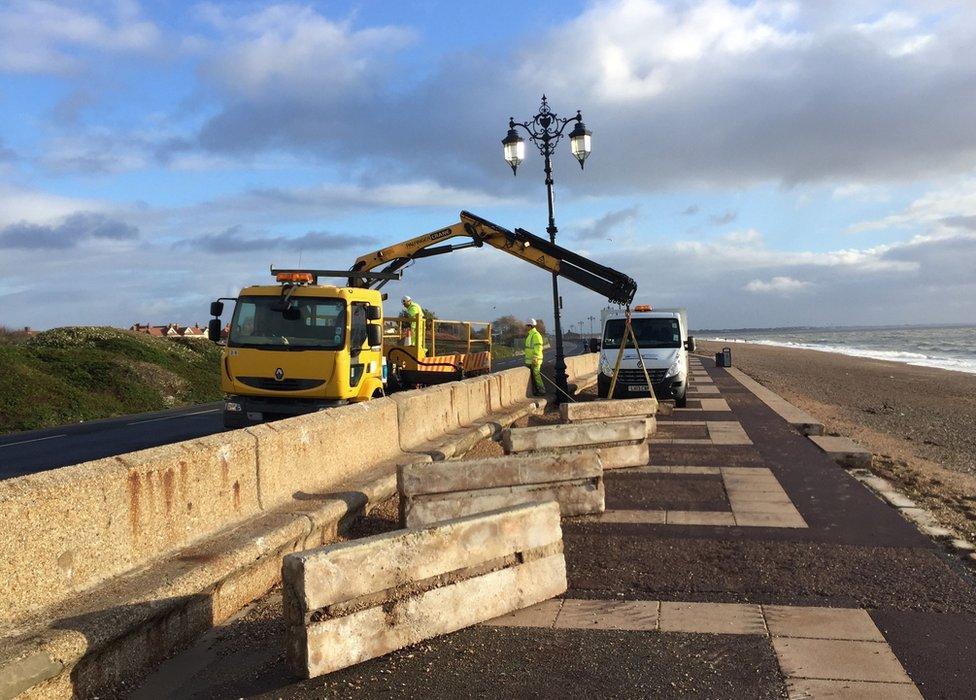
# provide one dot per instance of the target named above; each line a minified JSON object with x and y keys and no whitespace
{"x":650,"y":332}
{"x":321,"y":324}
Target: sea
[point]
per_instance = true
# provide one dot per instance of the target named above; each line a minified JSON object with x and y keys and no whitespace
{"x":945,"y":347}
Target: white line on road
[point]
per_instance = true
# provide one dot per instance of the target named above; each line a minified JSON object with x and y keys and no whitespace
{"x":182,"y":415}
{"x":24,"y":442}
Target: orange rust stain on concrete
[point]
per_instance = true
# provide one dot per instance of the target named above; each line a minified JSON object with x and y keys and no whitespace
{"x":134,"y":488}
{"x":184,"y":485}
{"x":237,"y":495}
{"x":169,"y":489}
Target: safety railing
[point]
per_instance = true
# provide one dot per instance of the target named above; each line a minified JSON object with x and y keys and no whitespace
{"x":442,"y":336}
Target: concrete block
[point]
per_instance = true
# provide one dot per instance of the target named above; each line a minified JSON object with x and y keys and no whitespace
{"x":596,"y":410}
{"x":424,"y":414}
{"x":312,"y":453}
{"x":844,"y":451}
{"x":554,"y":437}
{"x":69,"y":529}
{"x":431,"y":493}
{"x":354,"y":601}
{"x":514,"y":385}
{"x":624,"y":456}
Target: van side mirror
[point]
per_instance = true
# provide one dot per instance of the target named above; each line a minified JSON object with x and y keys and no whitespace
{"x":595,"y":345}
{"x":374,"y":334}
{"x":292,"y":313}
{"x":213,"y":330}
{"x":690,"y":344}
{"x":216,"y":308}
{"x":373,"y":313}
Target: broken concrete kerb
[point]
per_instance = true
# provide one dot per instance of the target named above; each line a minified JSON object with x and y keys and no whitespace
{"x":351,"y":602}
{"x":583,"y":435}
{"x":600,"y":410}
{"x":431,"y":493}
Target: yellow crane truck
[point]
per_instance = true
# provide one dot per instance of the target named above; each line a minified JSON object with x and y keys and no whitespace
{"x":299,"y":346}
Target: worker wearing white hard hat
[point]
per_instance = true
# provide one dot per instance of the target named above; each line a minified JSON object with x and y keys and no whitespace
{"x":533,"y":356}
{"x":413,"y":333}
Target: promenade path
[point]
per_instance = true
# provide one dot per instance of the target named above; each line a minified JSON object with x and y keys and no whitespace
{"x":741,"y":562}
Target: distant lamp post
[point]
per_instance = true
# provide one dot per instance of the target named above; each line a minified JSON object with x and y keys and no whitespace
{"x":545,"y":130}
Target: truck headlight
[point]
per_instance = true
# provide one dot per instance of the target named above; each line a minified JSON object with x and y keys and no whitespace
{"x":675,"y":367}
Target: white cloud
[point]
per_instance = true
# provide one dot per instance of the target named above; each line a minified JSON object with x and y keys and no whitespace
{"x":294,"y":51}
{"x":38,"y":36}
{"x":931,"y":209}
{"x":777,"y":285}
{"x":20,"y":204}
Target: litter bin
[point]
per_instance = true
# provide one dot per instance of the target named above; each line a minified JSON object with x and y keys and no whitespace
{"x":724,"y":358}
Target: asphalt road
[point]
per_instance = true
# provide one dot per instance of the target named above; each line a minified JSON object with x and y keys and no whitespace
{"x":51,"y":448}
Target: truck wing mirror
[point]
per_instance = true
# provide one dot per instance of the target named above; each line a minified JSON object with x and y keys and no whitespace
{"x":373,"y":313}
{"x":216,"y":308}
{"x":292,"y":313}
{"x":213,"y":330}
{"x":374,"y":334}
{"x":690,"y":344}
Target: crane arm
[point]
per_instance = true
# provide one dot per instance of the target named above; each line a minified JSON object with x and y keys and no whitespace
{"x":614,"y":285}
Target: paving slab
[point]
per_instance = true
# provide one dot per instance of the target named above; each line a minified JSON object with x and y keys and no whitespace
{"x":639,"y":615}
{"x":821,"y":623}
{"x":844,"y":451}
{"x":804,"y":688}
{"x":698,"y":517}
{"x":832,"y":659}
{"x":540,"y":615}
{"x":712,"y":618}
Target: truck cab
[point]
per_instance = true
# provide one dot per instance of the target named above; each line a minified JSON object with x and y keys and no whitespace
{"x":664,"y":344}
{"x":299,"y":347}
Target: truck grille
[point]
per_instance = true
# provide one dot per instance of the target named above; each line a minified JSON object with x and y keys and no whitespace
{"x":271,"y":384}
{"x":636,"y":376}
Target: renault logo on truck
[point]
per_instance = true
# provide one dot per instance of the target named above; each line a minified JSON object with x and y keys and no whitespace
{"x":279,"y":374}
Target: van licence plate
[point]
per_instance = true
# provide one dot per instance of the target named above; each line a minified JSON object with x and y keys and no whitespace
{"x":637,"y":387}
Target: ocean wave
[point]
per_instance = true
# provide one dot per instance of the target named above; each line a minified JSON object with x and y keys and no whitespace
{"x":955,"y":364}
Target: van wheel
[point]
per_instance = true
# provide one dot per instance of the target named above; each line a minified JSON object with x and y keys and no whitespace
{"x":681,"y":401}
{"x":602,"y":387}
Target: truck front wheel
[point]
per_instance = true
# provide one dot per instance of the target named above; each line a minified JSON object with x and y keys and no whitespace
{"x":235,"y":419}
{"x":681,"y":401}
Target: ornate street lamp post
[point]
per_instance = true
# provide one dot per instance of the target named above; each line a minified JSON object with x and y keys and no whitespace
{"x":545,"y":130}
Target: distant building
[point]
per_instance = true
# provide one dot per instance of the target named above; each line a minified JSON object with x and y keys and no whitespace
{"x":171,"y":330}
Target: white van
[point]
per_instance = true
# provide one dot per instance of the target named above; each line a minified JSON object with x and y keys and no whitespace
{"x":662,"y":335}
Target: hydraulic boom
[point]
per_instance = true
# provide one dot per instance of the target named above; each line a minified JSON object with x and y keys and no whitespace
{"x":614,"y":285}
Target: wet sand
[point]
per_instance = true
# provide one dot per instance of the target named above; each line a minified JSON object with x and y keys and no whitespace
{"x":920,"y":422}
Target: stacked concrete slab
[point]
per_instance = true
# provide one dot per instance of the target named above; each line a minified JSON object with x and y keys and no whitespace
{"x":351,"y":602}
{"x":618,"y":443}
{"x":434,"y":492}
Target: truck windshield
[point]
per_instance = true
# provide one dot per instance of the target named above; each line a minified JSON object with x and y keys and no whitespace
{"x":321,"y":324}
{"x":650,"y":332}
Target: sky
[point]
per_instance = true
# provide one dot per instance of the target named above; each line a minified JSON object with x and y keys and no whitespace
{"x":767,"y":163}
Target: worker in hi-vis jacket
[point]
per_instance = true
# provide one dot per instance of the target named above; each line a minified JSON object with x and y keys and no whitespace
{"x":414,"y":334}
{"x":533,"y":356}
